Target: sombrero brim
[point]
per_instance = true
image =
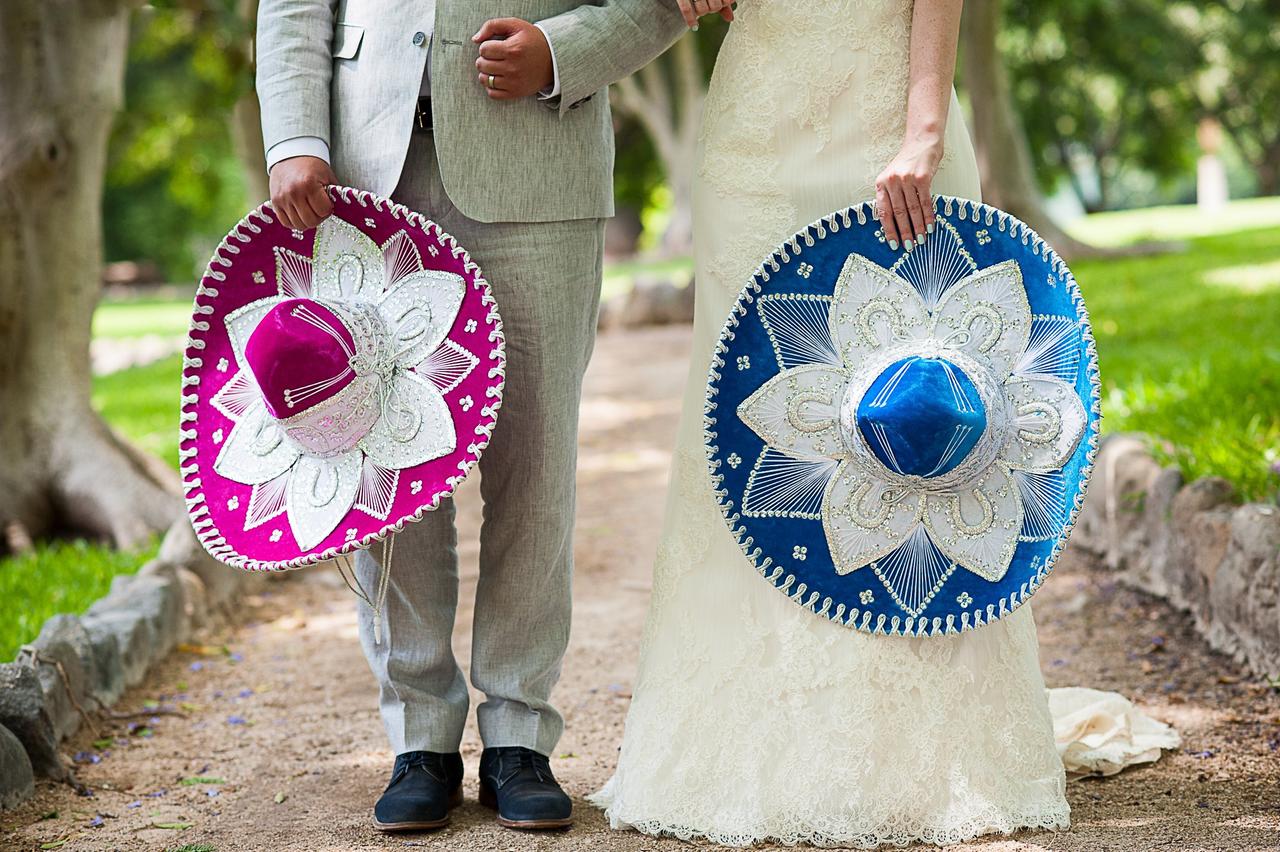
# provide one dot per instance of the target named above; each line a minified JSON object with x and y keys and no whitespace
{"x":247,"y":525}
{"x":779,"y":495}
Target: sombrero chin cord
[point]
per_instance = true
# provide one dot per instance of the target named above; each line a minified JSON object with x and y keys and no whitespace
{"x":384,"y":580}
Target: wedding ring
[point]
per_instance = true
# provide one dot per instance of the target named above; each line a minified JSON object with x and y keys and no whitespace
{"x":490,"y":81}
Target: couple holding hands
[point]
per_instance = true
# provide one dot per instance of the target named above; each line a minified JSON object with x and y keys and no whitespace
{"x":752,"y":719}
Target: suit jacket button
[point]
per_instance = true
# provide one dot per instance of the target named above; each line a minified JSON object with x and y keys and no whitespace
{"x":419,"y":38}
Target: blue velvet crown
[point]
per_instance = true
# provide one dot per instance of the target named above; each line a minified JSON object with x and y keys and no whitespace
{"x":900,"y":440}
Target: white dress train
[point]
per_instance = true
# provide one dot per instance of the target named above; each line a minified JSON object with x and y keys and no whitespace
{"x":752,"y":718}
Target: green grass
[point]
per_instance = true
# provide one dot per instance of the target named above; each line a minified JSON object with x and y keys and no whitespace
{"x":1178,"y":222}
{"x":57,"y":577}
{"x":1189,"y":348}
{"x":124,"y":318}
{"x":142,"y":402}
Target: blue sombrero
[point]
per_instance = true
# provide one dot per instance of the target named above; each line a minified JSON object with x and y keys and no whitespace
{"x":900,"y":440}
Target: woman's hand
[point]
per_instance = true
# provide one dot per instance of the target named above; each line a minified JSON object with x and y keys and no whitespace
{"x":904,"y":204}
{"x":695,"y":9}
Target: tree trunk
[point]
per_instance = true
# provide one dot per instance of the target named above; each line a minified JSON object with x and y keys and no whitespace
{"x":672,"y":125}
{"x":1268,"y":171}
{"x":1004,"y":161}
{"x":61,"y":467}
{"x":246,"y":117}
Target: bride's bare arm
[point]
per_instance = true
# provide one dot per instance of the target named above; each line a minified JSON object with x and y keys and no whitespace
{"x":903,"y":196}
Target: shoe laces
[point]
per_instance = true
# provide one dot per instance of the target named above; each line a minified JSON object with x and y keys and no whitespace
{"x":527,"y":759}
{"x":431,"y":763}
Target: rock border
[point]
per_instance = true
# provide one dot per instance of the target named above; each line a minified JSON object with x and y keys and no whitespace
{"x":1192,"y":544}
{"x":82,"y":664}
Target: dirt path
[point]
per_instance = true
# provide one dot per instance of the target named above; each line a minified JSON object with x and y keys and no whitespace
{"x":281,"y":747}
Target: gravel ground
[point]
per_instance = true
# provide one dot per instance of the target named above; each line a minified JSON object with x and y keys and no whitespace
{"x":278,"y":744}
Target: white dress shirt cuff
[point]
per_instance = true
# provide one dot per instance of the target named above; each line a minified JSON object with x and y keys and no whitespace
{"x":554,"y":91}
{"x":298,"y":146}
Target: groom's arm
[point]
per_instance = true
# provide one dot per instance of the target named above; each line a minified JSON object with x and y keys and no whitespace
{"x":601,"y":42}
{"x":295,"y":66}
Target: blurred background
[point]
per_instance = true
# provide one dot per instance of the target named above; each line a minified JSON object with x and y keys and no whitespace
{"x":1140,"y":137}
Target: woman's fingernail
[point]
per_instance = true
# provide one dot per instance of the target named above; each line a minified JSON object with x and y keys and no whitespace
{"x":919,"y":239}
{"x":893,"y":244}
{"x":695,"y":28}
{"x":908,"y":245}
{"x":929,"y":227}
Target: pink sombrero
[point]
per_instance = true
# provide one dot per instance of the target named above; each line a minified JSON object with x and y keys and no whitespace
{"x":337,"y":383}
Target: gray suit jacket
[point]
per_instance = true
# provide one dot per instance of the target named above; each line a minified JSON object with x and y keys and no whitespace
{"x":349,"y":71}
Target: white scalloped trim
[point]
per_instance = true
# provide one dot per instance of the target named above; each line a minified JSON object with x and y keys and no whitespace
{"x":775,"y":574}
{"x":192,"y":363}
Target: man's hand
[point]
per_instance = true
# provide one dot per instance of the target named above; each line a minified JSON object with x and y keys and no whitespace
{"x":515,"y":59}
{"x":298,"y":191}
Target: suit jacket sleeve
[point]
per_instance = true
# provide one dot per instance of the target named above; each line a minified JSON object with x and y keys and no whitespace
{"x":601,"y":42}
{"x":295,"y":67}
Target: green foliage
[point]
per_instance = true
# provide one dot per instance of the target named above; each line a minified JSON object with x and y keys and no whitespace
{"x":1240,"y":83}
{"x":142,"y":316}
{"x":174,"y":182}
{"x":1189,"y":346}
{"x":58,"y":577}
{"x":143,"y":404}
{"x":1105,"y":90}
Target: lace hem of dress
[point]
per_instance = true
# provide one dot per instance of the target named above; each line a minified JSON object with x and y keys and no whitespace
{"x":796,"y":832}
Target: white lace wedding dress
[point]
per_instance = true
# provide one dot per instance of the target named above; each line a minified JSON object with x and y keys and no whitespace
{"x":753,"y":719}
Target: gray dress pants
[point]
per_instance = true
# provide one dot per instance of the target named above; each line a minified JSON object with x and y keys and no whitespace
{"x":546,"y":279}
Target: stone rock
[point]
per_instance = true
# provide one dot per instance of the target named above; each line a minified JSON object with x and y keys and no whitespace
{"x":22,"y":712}
{"x":1145,"y":567}
{"x":1245,"y":590}
{"x":1109,"y":523}
{"x":64,"y":648}
{"x":195,"y":599}
{"x":17,"y":780}
{"x":132,"y":634}
{"x":146,"y":613}
{"x":1200,"y":528}
{"x":653,"y":302}
{"x":221,"y":582}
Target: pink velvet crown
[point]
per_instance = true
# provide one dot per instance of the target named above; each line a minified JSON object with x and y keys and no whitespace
{"x":338,"y":383}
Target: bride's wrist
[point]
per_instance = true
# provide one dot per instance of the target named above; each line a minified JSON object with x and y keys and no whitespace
{"x":926,"y":133}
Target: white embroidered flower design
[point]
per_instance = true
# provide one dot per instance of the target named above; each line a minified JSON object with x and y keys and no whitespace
{"x":348,"y":450}
{"x":916,"y":417}
{"x":800,"y":552}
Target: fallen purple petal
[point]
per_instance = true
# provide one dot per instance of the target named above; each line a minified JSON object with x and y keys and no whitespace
{"x":236,"y":658}
{"x":237,"y":720}
{"x":197,"y":666}
{"x":96,"y":821}
{"x":136,"y":803}
{"x":245,"y":693}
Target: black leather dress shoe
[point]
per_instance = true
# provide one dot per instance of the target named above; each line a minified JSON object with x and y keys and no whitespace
{"x":518,"y":784}
{"x":424,"y":787}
